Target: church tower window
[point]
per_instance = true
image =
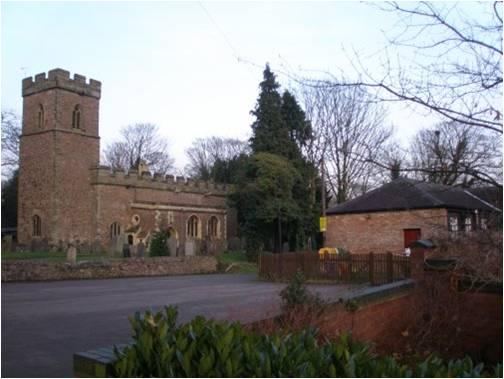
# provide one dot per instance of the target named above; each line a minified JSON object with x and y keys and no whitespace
{"x":40,"y":121}
{"x":37,"y":226}
{"x":76,"y":117}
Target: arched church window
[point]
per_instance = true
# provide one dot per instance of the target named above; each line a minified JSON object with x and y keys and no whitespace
{"x":41,"y":116}
{"x":115,"y":229}
{"x":37,"y":226}
{"x":76,"y":117}
{"x":193,"y":227}
{"x":213,"y":227}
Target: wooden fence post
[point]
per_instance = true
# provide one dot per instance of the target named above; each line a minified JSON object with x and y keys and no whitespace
{"x":371,"y":268}
{"x":260,"y":266}
{"x":280,"y":265}
{"x":417,"y":258}
{"x":390,"y":268}
{"x":303,"y":264}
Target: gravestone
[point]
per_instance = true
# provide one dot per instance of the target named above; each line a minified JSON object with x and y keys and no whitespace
{"x":72,"y":254}
{"x":126,"y":250}
{"x":235,"y":243}
{"x":84,"y":247}
{"x":140,"y":249}
{"x":133,"y":250}
{"x":172,"y":245}
{"x":190,"y":248}
{"x":7,"y":243}
{"x":96,"y":247}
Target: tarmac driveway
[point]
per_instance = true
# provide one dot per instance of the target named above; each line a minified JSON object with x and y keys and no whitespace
{"x":44,"y":323}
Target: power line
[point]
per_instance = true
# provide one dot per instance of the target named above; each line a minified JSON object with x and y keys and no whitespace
{"x":235,"y":52}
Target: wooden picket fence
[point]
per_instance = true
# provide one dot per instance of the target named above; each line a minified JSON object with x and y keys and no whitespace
{"x":351,"y":268}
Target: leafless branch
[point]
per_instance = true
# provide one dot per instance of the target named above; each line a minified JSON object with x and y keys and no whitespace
{"x":139,"y":143}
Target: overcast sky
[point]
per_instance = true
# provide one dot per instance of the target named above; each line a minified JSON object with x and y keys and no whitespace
{"x":191,"y":68}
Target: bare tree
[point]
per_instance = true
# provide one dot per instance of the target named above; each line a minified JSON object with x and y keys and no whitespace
{"x":348,"y":133}
{"x":139,"y":143}
{"x":391,"y":162}
{"x":204,"y":152}
{"x":443,"y":58}
{"x":11,"y":131}
{"x":457,"y":155}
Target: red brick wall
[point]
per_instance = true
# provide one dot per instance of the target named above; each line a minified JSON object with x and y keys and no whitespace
{"x":390,"y":324}
{"x":382,"y":231}
{"x":381,"y":323}
{"x":481,"y":325}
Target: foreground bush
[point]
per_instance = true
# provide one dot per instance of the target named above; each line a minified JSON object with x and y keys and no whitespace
{"x":205,"y":348}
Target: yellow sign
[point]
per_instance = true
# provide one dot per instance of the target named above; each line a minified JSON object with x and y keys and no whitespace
{"x":323,"y":224}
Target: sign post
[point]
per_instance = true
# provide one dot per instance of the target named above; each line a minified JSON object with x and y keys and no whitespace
{"x":323,"y":224}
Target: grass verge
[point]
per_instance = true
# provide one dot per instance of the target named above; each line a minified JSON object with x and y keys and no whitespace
{"x":235,"y":262}
{"x":48,"y":256}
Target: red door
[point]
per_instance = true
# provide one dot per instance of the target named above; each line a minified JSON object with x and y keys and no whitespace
{"x":411,"y":235}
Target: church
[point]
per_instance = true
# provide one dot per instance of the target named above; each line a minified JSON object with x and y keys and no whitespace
{"x":65,"y":195}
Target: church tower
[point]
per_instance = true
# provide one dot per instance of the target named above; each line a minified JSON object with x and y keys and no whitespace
{"x":59,"y":145}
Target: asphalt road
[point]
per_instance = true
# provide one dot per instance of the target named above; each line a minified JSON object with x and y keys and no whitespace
{"x":44,"y":323}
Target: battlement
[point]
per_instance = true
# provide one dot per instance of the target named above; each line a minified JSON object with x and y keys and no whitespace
{"x":59,"y":78}
{"x":106,"y":175}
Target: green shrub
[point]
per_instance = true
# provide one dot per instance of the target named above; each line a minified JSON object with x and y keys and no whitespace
{"x":159,"y":244}
{"x":296,"y":294}
{"x":206,"y":348}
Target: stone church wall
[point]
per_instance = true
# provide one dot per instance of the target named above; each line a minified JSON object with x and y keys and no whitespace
{"x":65,"y":196}
{"x":141,"y":204}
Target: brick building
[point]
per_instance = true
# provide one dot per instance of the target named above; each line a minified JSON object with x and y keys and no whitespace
{"x":390,"y":217}
{"x":64,"y":194}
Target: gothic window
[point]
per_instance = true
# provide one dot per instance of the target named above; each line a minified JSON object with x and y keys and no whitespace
{"x":76,"y":117}
{"x":193,"y":227}
{"x":213,"y":227}
{"x":37,"y":226}
{"x":115,"y":229}
{"x":40,"y":121}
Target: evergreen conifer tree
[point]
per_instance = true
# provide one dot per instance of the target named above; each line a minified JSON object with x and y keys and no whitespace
{"x":269,"y":129}
{"x":280,"y":129}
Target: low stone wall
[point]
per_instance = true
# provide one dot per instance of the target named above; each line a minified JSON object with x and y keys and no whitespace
{"x":32,"y":270}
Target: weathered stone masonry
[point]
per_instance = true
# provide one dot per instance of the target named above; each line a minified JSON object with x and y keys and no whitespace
{"x":65,"y":195}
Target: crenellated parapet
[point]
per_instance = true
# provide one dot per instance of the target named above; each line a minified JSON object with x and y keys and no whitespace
{"x":59,"y":78}
{"x":107,"y":176}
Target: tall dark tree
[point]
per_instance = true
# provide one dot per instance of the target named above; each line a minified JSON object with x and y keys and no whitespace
{"x":265,"y":200}
{"x":270,"y":133}
{"x":280,"y":131}
{"x":10,"y":200}
{"x":227,"y":170}
{"x":300,"y":130}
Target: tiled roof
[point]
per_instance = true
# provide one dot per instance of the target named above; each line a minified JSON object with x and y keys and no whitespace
{"x":404,"y":194}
